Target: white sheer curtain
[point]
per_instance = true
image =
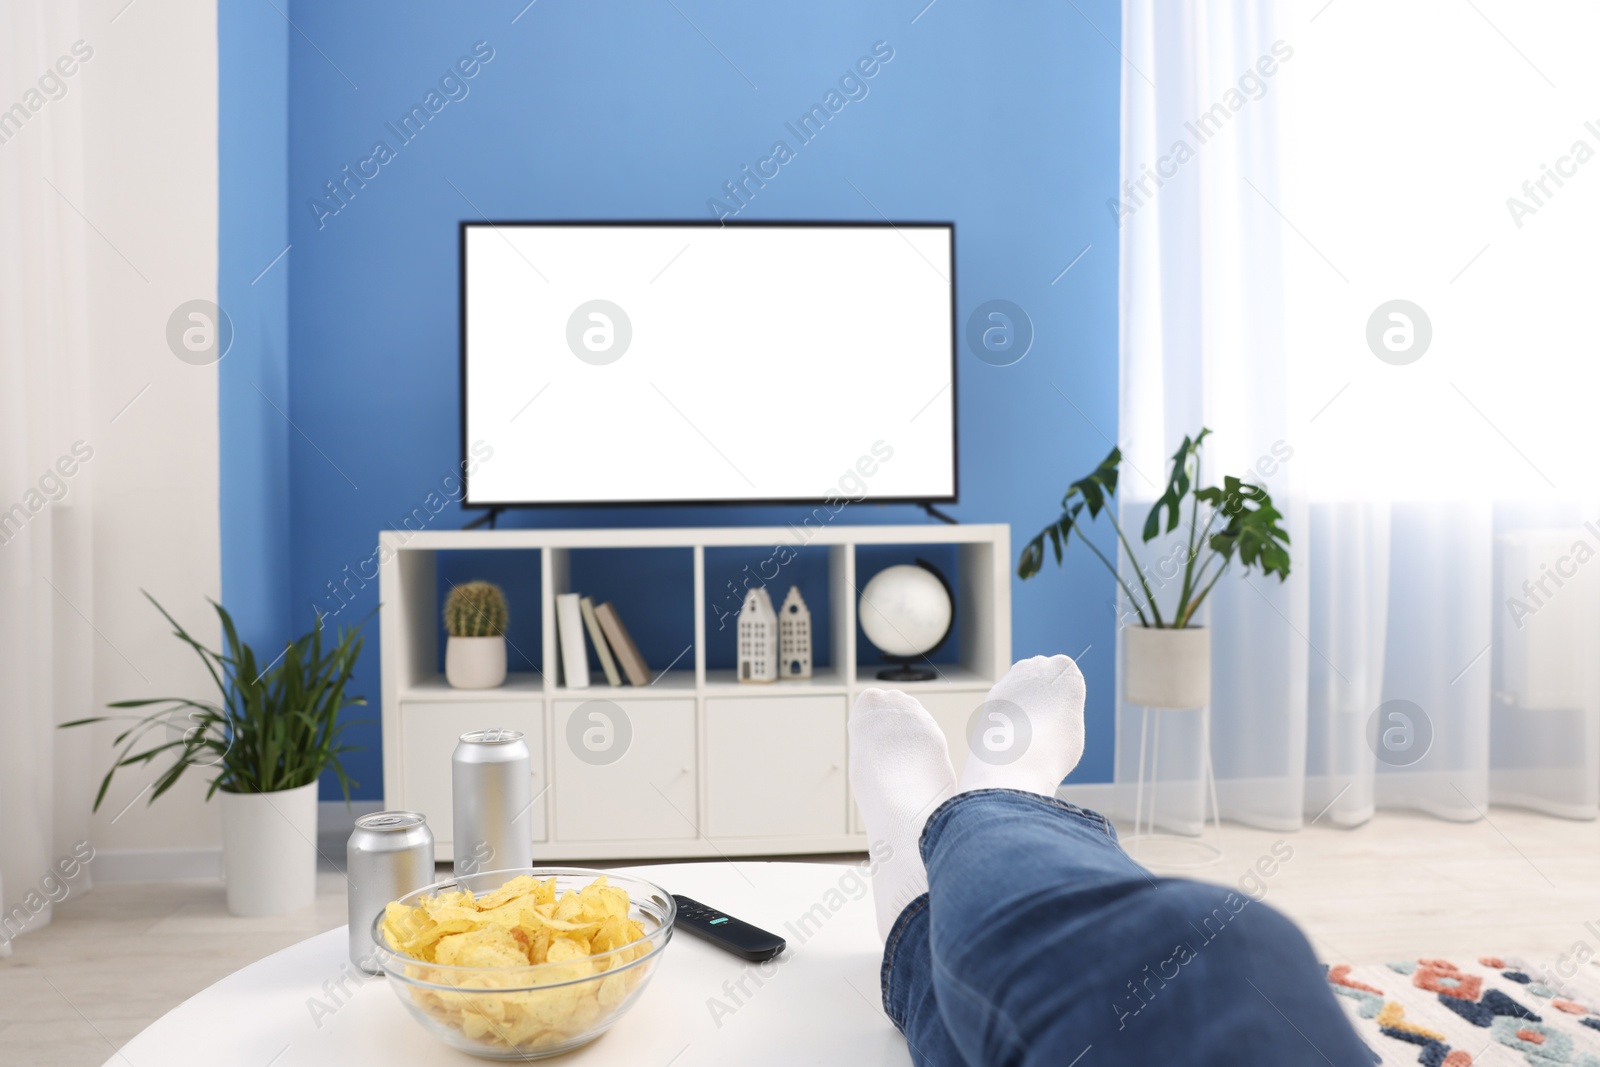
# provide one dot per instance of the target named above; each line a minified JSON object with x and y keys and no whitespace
{"x":46,"y":650}
{"x":1290,"y":170}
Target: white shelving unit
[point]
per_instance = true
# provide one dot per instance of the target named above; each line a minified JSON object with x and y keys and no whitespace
{"x":715,"y":767}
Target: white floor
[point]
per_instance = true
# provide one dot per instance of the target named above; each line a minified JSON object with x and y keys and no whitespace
{"x":120,"y":956}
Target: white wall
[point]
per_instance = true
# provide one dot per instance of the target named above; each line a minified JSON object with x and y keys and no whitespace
{"x":150,"y":148}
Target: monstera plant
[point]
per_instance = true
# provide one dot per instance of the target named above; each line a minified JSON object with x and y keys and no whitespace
{"x":1235,"y":520}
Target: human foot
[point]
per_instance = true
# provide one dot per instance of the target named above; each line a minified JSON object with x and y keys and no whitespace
{"x":1031,"y":734}
{"x":900,"y":771}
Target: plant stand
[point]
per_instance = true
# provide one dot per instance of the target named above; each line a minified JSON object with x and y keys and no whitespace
{"x":1169,"y":672}
{"x":1147,"y":844}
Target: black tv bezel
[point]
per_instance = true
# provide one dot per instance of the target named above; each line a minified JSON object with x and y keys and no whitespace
{"x":495,"y":224}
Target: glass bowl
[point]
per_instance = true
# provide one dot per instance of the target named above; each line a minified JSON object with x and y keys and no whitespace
{"x":529,"y":1012}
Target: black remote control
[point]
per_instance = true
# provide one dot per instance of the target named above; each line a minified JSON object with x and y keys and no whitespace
{"x":727,"y":933}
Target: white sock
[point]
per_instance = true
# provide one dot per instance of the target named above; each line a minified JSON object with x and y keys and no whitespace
{"x":900,"y":772}
{"x":1031,"y":734}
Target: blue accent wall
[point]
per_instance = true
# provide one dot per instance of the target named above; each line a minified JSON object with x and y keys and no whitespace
{"x":253,"y":389}
{"x":1002,"y":118}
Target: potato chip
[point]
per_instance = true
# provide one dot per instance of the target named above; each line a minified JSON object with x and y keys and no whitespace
{"x":537,"y":917}
{"x":613,"y":989}
{"x":520,"y":886}
{"x":616,"y":901}
{"x":490,"y":947}
{"x":569,"y":907}
{"x":563,"y":949}
{"x":612,"y":934}
{"x":539,"y":943}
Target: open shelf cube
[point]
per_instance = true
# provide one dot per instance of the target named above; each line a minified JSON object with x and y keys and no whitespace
{"x":652,"y":590}
{"x":973,"y":570}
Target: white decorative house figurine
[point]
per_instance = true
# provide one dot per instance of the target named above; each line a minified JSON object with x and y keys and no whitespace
{"x":794,"y":636}
{"x":758,"y":638}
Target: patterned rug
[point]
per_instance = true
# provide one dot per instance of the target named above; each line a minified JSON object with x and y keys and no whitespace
{"x":1496,"y":1011}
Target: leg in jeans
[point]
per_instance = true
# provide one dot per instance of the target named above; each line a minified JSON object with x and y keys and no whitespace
{"x":1041,"y":939}
{"x":1035,"y":938}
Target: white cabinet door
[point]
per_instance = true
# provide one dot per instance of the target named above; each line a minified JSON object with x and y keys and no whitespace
{"x":953,"y":712}
{"x":775,"y":766}
{"x":625,"y":770}
{"x":429,"y":731}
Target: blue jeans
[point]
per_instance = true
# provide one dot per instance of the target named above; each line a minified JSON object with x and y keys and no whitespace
{"x":1040,"y":941}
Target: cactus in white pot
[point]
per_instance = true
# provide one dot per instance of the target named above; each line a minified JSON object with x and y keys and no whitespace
{"x":475,"y":617}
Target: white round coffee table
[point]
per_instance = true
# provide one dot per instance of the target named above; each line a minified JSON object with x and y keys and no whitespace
{"x":818,"y":1004}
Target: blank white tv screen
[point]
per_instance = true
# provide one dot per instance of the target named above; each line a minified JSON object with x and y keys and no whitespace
{"x":610,"y":364}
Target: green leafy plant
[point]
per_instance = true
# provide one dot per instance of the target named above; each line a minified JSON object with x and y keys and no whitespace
{"x":277,"y":727}
{"x":1250,"y":531}
{"x":475,"y":609}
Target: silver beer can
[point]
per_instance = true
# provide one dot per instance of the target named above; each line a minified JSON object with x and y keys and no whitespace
{"x":389,"y":855}
{"x":491,"y":791}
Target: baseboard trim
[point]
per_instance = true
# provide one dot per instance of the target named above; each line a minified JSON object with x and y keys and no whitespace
{"x":337,"y":817}
{"x":156,"y":864}
{"x":334,"y":818}
{"x":1100,"y":796}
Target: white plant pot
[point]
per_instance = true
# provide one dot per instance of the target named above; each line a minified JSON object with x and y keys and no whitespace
{"x":475,"y":662}
{"x":1166,"y":668}
{"x":269,"y":850}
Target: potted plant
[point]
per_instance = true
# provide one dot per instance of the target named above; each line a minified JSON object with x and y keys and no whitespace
{"x":274,"y":732}
{"x":475,"y":618}
{"x":1167,"y":658}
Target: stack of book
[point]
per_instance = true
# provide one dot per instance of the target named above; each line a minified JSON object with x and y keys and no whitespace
{"x":577,"y":615}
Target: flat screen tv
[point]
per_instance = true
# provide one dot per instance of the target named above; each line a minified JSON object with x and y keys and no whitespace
{"x":684,"y":363}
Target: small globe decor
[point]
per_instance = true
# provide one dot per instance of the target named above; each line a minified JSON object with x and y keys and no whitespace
{"x":907,"y":612}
